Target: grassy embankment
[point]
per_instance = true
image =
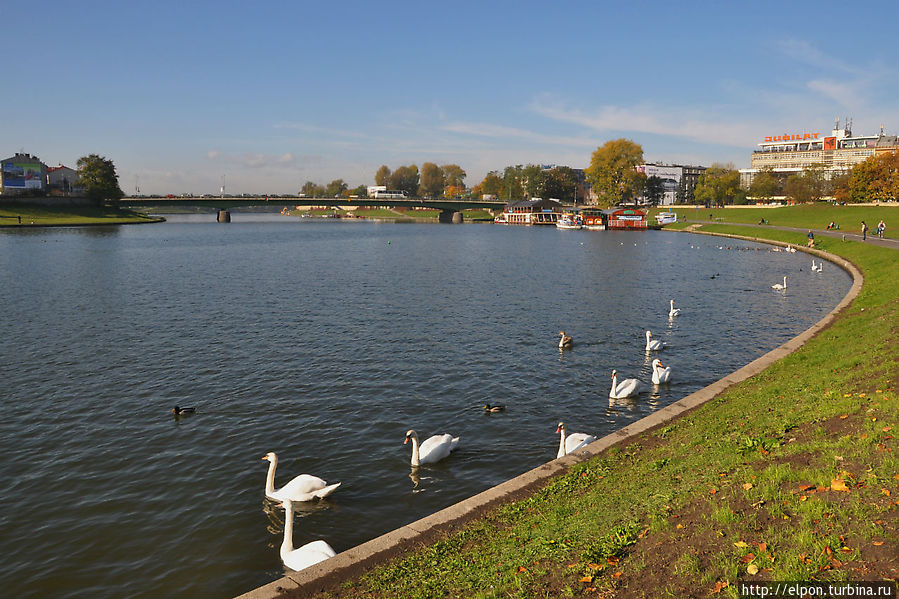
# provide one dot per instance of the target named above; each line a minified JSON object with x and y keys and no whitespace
{"x":790,"y":475}
{"x":34,"y":215}
{"x":810,"y":216}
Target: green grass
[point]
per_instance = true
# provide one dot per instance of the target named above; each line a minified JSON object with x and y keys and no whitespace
{"x":34,"y":215}
{"x":716,"y":494}
{"x":810,"y":216}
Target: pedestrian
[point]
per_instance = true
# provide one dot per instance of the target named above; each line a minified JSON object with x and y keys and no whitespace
{"x":811,"y":239}
{"x":880,"y":228}
{"x":864,"y":230}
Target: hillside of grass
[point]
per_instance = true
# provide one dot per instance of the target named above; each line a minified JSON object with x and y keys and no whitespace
{"x":14,"y":215}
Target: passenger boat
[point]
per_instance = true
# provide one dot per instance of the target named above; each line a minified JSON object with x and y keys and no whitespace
{"x":500,"y":219}
{"x":666,"y":218}
{"x":593,"y":219}
{"x":569,"y":220}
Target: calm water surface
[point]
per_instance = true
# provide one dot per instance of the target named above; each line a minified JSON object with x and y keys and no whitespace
{"x":325,"y":342}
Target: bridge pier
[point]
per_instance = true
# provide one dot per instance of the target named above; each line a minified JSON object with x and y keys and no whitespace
{"x":224,"y":216}
{"x":450,"y":216}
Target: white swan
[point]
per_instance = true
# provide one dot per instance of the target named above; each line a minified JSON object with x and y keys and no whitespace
{"x":673,"y":311}
{"x":626,"y":388}
{"x":573,"y":442}
{"x":817,"y":267}
{"x":778,"y":286}
{"x":307,"y":555}
{"x":653,"y":344}
{"x":566,"y":342}
{"x":304,"y":487}
{"x":433,"y":449}
{"x":660,"y":374}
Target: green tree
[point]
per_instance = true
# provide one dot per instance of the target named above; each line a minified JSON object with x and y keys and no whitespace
{"x":98,"y":177}
{"x":513,"y":189}
{"x":612,"y":171}
{"x":359,"y":191}
{"x":335,"y":188}
{"x":798,"y":188}
{"x":764,"y":186}
{"x":654,"y":190}
{"x":561,"y":182}
{"x":432,"y":182}
{"x":492,"y":184}
{"x":308,"y":190}
{"x":719,"y":184}
{"x":405,"y":178}
{"x":816,"y":180}
{"x":453,"y":175}
{"x":532,"y":181}
{"x":382,"y":177}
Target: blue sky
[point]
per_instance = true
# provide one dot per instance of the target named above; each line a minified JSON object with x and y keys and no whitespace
{"x":269,"y":95}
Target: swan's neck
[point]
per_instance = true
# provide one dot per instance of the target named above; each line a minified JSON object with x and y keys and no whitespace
{"x":270,"y":478}
{"x":287,"y":545}
{"x":614,"y":383}
{"x":562,"y":442}
{"x":415,"y":457}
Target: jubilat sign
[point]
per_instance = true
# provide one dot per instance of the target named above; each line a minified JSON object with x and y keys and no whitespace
{"x":794,"y":137}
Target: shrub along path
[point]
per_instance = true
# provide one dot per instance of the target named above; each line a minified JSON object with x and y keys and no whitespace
{"x":788,"y":476}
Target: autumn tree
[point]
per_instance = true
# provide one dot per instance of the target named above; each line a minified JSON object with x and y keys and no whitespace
{"x":431,"y":182}
{"x":612,"y":171}
{"x":532,"y":181}
{"x":492,"y":184}
{"x":719,"y":184}
{"x":453,"y":175}
{"x":98,"y":177}
{"x":876,"y":179}
{"x":382,"y":177}
{"x":310,"y":189}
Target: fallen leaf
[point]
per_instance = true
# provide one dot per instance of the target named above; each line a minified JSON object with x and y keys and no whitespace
{"x":712,"y":491}
{"x":844,"y":416}
{"x":747,"y":486}
{"x":747,"y":558}
{"x":593,"y":566}
{"x":885,"y":492}
{"x":763,"y":547}
{"x":807,"y":487}
{"x":803,"y":497}
{"x":846,"y":549}
{"x":752,"y":569}
{"x":617,"y":574}
{"x":719,"y":586}
{"x":838,"y":484}
{"x":740,"y":544}
{"x":522,"y":569}
{"x":680,"y":526}
{"x":613,"y":561}
{"x":586,"y":579}
{"x":878,"y":543}
{"x":887,"y":429}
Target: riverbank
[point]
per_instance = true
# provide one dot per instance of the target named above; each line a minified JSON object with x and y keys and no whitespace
{"x":392,"y":214}
{"x":790,"y":475}
{"x":32,"y":215}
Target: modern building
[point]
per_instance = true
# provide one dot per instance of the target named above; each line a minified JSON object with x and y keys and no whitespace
{"x":678,"y":180}
{"x":838,"y":152}
{"x":23,"y":174}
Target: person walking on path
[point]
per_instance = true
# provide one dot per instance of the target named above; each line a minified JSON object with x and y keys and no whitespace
{"x":811,"y":239}
{"x":880,"y":228}
{"x":864,"y":230}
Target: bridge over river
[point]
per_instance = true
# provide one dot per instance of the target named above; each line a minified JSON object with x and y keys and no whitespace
{"x":450,"y":210}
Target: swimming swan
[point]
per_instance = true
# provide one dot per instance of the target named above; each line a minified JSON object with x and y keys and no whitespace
{"x":778,"y":286}
{"x":817,"y":267}
{"x":307,"y":555}
{"x":660,"y":374}
{"x":573,"y":442}
{"x":653,"y":345}
{"x":673,"y":311}
{"x":304,"y":487}
{"x":627,"y":387}
{"x":432,"y":450}
{"x":565,"y":342}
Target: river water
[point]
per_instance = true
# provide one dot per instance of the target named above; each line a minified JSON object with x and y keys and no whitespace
{"x":325,"y":341}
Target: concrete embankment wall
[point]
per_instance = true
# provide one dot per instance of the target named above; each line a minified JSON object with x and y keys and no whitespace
{"x":355,"y":561}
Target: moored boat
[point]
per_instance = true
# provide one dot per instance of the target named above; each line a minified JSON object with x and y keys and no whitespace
{"x":569,"y":220}
{"x":666,"y":218}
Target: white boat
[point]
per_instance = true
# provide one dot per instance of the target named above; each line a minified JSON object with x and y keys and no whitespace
{"x":568,"y":221}
{"x":666,"y":218}
{"x":500,"y":219}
